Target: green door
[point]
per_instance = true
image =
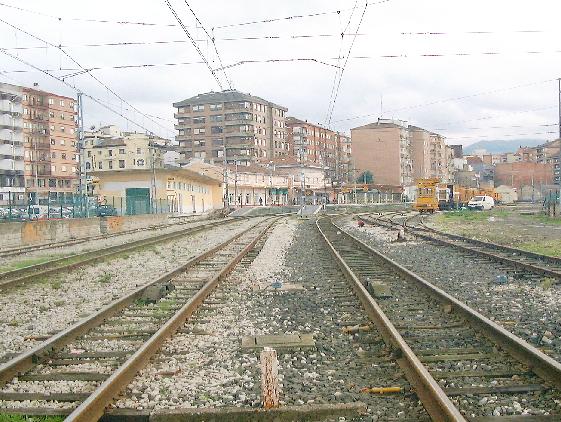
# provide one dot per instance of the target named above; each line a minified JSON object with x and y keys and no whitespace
{"x":138,"y":201}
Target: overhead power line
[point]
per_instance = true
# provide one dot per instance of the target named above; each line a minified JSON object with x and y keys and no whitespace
{"x":503,"y":135}
{"x":334,"y":101}
{"x":230,"y":25}
{"x":212,"y":39}
{"x":73,"y":87}
{"x":445,"y":100}
{"x":193,"y":42}
{"x":83,"y":70}
{"x":142,"y":43}
{"x":499,"y":127}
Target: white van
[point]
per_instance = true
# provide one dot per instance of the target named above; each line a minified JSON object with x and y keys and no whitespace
{"x":482,"y":202}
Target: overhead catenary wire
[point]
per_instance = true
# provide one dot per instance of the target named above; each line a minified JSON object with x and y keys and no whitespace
{"x":507,"y":135}
{"x":143,"y":43}
{"x":444,"y":100}
{"x":334,"y":101}
{"x":83,"y":70}
{"x":75,"y":88}
{"x":193,"y":42}
{"x":338,"y":58}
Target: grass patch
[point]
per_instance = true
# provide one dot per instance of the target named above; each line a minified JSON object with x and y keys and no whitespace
{"x":543,"y":219}
{"x":547,"y":283}
{"x":105,"y":278}
{"x":26,"y":263}
{"x":546,"y":247}
{"x":56,"y":285}
{"x":13,"y":323}
{"x":23,"y":418}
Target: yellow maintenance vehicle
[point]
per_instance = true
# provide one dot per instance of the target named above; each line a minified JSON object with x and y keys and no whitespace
{"x":427,"y":199}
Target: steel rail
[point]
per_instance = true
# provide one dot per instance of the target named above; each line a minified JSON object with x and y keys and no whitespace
{"x":541,"y":364}
{"x":26,"y":274}
{"x":32,"y":357}
{"x":436,"y":402}
{"x":94,"y":406}
{"x":512,"y":261}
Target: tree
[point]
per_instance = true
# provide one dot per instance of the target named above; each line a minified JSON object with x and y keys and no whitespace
{"x":366,"y":177}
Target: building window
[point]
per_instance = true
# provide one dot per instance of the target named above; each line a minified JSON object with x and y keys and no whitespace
{"x":199,"y":131}
{"x":52,"y":183}
{"x":62,"y":141}
{"x":53,"y":142}
{"x":139,"y":151}
{"x":88,"y":165}
{"x":61,"y":103}
{"x":140,"y":162}
{"x":110,"y":164}
{"x":121,"y":164}
{"x":51,"y":101}
{"x":63,"y":156}
{"x":198,"y":108}
{"x":62,"y":128}
{"x":53,"y":154}
{"x":53,"y":168}
{"x":121,"y":150}
{"x":110,"y":152}
{"x":89,"y":153}
{"x":216,"y":107}
{"x":99,"y":165}
{"x":198,"y":120}
{"x":63,"y":168}
{"x":216,"y":129}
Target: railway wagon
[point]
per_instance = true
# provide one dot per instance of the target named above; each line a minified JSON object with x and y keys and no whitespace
{"x":427,"y":200}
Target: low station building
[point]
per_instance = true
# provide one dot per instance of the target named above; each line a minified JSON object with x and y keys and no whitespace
{"x":175,"y":190}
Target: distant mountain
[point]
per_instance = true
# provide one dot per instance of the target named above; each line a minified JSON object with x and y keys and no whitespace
{"x":499,"y":146}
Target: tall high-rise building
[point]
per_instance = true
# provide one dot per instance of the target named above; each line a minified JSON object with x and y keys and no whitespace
{"x":248,"y":128}
{"x":12,"y":186}
{"x":50,"y":153}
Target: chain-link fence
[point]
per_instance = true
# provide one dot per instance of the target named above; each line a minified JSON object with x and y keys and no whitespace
{"x":22,"y":207}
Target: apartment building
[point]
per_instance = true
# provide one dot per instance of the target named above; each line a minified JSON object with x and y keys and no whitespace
{"x":50,"y":154}
{"x":431,"y":157}
{"x":108,"y":149}
{"x":247,"y":128}
{"x":12,"y":184}
{"x":316,"y":145}
{"x":344,"y":173}
{"x":384,"y":148}
{"x":550,"y":153}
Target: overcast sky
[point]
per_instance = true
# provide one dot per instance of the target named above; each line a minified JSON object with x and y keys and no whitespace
{"x":469,"y":97}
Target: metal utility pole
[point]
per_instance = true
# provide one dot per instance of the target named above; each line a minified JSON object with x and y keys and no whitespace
{"x":153,"y":192}
{"x":559,"y":104}
{"x":227,"y":194}
{"x":82,"y":174}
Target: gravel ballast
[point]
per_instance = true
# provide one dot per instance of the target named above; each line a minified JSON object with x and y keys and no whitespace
{"x":528,"y":307}
{"x":209,"y":368}
{"x":49,"y":306}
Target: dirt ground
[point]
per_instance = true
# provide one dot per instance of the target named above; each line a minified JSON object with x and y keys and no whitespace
{"x":521,"y":226}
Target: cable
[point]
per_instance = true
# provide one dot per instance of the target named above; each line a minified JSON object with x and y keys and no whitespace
{"x":83,"y":70}
{"x":339,"y":60}
{"x":493,"y":91}
{"x":305,"y":59}
{"x":502,"y":136}
{"x":344,"y":66}
{"x":193,"y":42}
{"x":73,"y":87}
{"x":498,"y":127}
{"x":212,"y":39}
{"x":141,"y":43}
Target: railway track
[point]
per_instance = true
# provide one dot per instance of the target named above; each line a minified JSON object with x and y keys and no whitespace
{"x":17,"y":277}
{"x":522,"y":261}
{"x":82,"y":369}
{"x":462,"y":365}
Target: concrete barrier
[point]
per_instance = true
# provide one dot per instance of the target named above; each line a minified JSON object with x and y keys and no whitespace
{"x":14,"y":234}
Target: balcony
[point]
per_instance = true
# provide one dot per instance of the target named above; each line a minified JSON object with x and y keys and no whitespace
{"x":237,"y":134}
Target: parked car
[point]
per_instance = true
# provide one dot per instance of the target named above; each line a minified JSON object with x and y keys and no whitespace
{"x":482,"y":203}
{"x":106,"y":210}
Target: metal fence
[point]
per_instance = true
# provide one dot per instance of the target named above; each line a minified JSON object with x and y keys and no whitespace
{"x":18,"y":207}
